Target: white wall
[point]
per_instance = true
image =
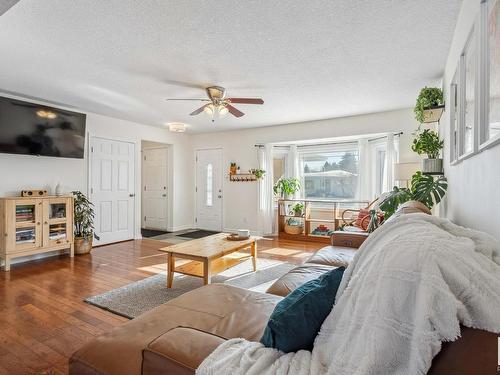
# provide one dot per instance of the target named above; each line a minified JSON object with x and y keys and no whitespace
{"x":241,"y":199}
{"x":472,"y":199}
{"x":22,"y":171}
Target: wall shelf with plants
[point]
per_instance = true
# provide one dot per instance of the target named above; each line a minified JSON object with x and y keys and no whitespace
{"x":430,"y":105}
{"x":236,"y":176}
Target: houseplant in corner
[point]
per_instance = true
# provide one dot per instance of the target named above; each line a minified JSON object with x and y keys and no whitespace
{"x":428,"y":143}
{"x":286,"y":187}
{"x":429,"y":105}
{"x":84,"y":223}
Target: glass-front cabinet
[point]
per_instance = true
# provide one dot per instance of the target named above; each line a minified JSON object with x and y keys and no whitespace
{"x":56,"y":227}
{"x":35,"y":225}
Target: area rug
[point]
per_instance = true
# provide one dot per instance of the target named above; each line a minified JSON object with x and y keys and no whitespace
{"x":198,"y":234}
{"x":147,"y":233}
{"x":136,"y":298}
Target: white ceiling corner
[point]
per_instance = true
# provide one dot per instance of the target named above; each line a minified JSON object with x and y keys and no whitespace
{"x":308,"y":60}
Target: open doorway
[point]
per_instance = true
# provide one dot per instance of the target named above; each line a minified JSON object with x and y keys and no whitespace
{"x":156,"y":188}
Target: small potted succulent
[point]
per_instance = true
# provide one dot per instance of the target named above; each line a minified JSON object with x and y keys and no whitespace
{"x":232,"y":168}
{"x":286,"y":187}
{"x":84,"y":223}
{"x":430,"y":105}
{"x":428,"y":143}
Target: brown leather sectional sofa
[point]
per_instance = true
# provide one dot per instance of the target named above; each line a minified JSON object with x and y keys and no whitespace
{"x":175,"y":337}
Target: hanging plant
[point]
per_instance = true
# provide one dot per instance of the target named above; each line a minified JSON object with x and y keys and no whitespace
{"x":258,"y":173}
{"x":429,"y":97}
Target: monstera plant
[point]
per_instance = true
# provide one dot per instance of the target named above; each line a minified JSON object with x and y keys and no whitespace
{"x":424,"y":188}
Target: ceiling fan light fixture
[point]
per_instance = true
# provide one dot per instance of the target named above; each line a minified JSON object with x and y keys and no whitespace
{"x":177,"y":127}
{"x":209,"y":109}
{"x":223,"y":110}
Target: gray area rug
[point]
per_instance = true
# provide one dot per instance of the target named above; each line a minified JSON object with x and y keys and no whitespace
{"x":136,"y":298}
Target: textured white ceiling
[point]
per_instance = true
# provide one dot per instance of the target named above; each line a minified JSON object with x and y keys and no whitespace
{"x":308,"y":60}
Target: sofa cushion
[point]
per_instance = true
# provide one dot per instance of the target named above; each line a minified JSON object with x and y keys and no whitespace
{"x":296,"y":320}
{"x":218,"y":309}
{"x":333,"y":256}
{"x":296,"y":277}
{"x":178,"y":351}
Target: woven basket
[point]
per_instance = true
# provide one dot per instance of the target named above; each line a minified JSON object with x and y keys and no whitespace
{"x":293,"y":229}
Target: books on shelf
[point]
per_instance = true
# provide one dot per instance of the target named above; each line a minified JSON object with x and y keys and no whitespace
{"x":25,"y":213}
{"x":57,"y":232}
{"x":25,"y":235}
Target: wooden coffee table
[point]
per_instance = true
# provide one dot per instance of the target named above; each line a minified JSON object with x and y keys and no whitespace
{"x":209,"y":256}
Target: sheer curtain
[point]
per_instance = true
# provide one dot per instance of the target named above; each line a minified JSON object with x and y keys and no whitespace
{"x":365,"y":187}
{"x":266,"y":211}
{"x":293,"y":165}
{"x":391,"y":157}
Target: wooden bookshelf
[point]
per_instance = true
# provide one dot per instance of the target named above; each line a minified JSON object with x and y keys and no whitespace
{"x":319,"y":218}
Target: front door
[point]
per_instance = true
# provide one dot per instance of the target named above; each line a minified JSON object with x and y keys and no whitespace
{"x":112,"y":188}
{"x":209,"y":189}
{"x":154,"y":194}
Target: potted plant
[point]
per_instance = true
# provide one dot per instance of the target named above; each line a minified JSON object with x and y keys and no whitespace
{"x":298,"y":209}
{"x":428,"y":143}
{"x":293,"y":226}
{"x":424,"y":188}
{"x":232,"y":168}
{"x":84,"y":223}
{"x":258,"y":173}
{"x":430,"y":105}
{"x":286,"y":187}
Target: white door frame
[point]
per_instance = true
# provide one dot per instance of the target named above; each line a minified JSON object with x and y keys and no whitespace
{"x":168,"y":184}
{"x":196,"y":183}
{"x":89,"y":172}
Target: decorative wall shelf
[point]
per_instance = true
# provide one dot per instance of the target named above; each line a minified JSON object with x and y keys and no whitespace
{"x":242,"y":177}
{"x":433,"y":114}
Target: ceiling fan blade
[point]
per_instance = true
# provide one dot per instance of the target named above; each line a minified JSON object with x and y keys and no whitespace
{"x":235,"y":112}
{"x":198,"y":100}
{"x":198,"y":111}
{"x":246,"y":100}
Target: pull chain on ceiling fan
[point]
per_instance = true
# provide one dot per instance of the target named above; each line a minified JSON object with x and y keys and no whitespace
{"x":219,"y":105}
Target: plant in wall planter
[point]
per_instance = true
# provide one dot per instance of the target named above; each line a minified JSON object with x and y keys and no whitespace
{"x":258,"y":173}
{"x":428,"y":143}
{"x":84,"y":223}
{"x":286,"y":187}
{"x":424,"y":188}
{"x":429,"y":106}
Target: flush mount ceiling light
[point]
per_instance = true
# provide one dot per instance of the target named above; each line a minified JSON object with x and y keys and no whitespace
{"x":177,"y":127}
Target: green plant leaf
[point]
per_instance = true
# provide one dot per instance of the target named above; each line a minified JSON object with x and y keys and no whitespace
{"x":395,"y":198}
{"x":428,"y":97}
{"x":426,"y":189}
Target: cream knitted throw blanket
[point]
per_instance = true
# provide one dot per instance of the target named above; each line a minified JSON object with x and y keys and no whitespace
{"x":407,"y":290}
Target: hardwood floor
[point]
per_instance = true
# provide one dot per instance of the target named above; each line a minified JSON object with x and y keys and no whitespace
{"x":43,"y":318}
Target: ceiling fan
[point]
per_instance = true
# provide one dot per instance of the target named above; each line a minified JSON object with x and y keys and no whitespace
{"x":219,"y":104}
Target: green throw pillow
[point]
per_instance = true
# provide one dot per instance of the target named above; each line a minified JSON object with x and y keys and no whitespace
{"x":296,"y":320}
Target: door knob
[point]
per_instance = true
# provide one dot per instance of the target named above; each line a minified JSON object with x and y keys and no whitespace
{"x":164,"y":195}
{"x":131,"y":195}
{"x":219,"y":196}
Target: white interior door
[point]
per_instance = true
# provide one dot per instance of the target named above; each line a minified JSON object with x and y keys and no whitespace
{"x":209,"y":189}
{"x":154,"y":189}
{"x":112,"y":188}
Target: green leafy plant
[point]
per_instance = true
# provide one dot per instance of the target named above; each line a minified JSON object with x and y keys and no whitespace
{"x":298,"y":208}
{"x":83,"y":215}
{"x":286,"y":186}
{"x":428,"y":97}
{"x":258,"y":173}
{"x":424,"y":188}
{"x":428,"y":143}
{"x":427,"y":189}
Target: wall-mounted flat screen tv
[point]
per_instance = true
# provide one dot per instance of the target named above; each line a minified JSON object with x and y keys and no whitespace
{"x":34,"y":129}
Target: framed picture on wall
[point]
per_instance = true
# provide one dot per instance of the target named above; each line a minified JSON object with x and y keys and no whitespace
{"x":467,"y":123}
{"x":491,"y":133}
